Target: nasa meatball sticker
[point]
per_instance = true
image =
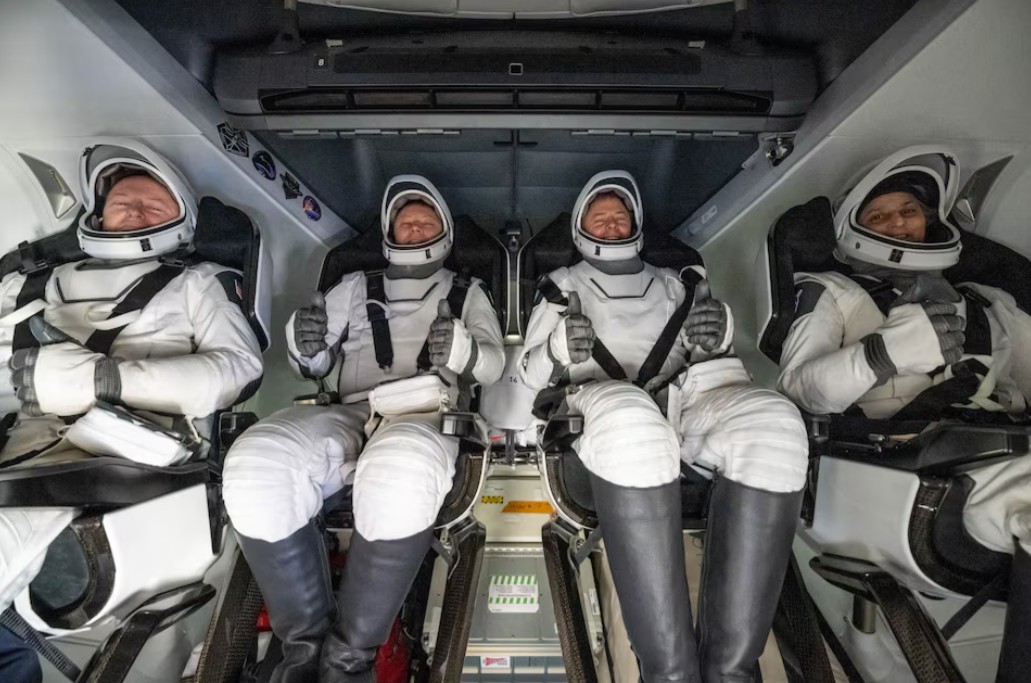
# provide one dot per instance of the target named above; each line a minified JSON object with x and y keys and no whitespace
{"x":234,"y":141}
{"x":265,"y":165}
{"x":311,"y":208}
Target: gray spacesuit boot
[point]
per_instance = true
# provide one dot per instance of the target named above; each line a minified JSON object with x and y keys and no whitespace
{"x":644,"y":543}
{"x":377,"y":577}
{"x":747,"y":546}
{"x":1015,"y":658}
{"x":293,"y":575}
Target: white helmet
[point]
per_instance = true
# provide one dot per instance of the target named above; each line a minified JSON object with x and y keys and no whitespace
{"x":931,"y":174}
{"x":623,"y":184}
{"x":401,"y":190}
{"x":102,"y":165}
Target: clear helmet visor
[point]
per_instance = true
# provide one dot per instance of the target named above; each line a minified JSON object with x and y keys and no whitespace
{"x":401,"y":191}
{"x":105,"y":164}
{"x":623,"y":186}
{"x":931,"y":176}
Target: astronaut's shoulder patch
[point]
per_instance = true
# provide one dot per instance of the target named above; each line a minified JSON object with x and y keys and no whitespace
{"x":232,"y":283}
{"x":807,"y":294}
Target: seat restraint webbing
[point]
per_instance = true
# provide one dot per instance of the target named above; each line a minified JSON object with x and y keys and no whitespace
{"x":381,"y":343}
{"x":33,"y":288}
{"x":136,"y":300}
{"x":659,"y":351}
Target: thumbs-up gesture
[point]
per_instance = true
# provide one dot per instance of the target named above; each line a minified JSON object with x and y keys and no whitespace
{"x":311,"y":324}
{"x":450,"y":343}
{"x":572,"y":341}
{"x":709,"y":324}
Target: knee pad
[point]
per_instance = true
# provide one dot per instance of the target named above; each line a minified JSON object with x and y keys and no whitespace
{"x":268,"y":487}
{"x":749,"y":435}
{"x":403,"y":476}
{"x":626,"y":441}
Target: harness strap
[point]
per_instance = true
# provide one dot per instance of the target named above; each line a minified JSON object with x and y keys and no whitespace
{"x":456,"y":301}
{"x":21,"y":628}
{"x":136,"y":300}
{"x":930,"y":403}
{"x":34,"y":287}
{"x":381,"y":343}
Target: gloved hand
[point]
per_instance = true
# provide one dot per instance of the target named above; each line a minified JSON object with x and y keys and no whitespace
{"x":311,"y":324}
{"x":61,"y":377}
{"x":450,"y":343}
{"x":572,"y":341}
{"x":709,"y":324}
{"x":917,"y":337}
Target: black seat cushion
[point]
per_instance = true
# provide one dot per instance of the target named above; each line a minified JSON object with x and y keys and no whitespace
{"x":99,"y":482}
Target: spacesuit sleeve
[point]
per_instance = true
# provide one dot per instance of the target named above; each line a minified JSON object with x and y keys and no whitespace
{"x":481,"y":321}
{"x":1017,"y":326}
{"x":535,"y":366}
{"x":225,"y":363}
{"x":339,"y":301}
{"x":817,"y":371}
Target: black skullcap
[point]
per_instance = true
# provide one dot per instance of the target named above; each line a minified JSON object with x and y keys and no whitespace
{"x":916,"y":183}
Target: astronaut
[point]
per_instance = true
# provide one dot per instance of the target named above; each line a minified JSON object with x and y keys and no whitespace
{"x":379,"y":327}
{"x":137,"y":323}
{"x":890,"y":335}
{"x":612,"y":317}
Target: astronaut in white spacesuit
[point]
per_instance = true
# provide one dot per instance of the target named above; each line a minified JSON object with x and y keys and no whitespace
{"x":612,"y":317}
{"x":379,"y":326}
{"x":890,"y":335}
{"x":138,"y":323}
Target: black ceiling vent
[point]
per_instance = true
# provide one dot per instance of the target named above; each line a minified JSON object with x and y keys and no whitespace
{"x":514,"y":79}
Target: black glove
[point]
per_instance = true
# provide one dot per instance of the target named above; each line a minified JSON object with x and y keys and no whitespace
{"x":310,"y":327}
{"x":573,"y":340}
{"x":707,"y":322}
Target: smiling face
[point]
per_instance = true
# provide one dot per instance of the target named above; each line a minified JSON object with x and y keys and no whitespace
{"x":416,"y":223}
{"x":138,"y":202}
{"x":898,"y":215}
{"x":607,"y":218}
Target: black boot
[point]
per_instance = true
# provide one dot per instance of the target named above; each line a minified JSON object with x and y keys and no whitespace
{"x":293,"y":575}
{"x":644,"y":542}
{"x":747,"y":546}
{"x":377,"y":577}
{"x":1015,"y":658}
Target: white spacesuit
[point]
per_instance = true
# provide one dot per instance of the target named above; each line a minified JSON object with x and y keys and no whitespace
{"x":599,"y":323}
{"x":890,"y":335}
{"x":85,"y":331}
{"x":376,"y":326}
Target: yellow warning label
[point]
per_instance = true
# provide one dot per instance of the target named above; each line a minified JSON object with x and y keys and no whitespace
{"x":530,"y":507}
{"x":492,"y":500}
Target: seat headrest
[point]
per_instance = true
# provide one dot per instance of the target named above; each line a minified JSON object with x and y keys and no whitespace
{"x":989,"y":263}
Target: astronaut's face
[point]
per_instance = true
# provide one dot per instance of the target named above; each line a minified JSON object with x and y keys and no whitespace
{"x":416,"y":223}
{"x":898,"y":215}
{"x":138,"y":202}
{"x":607,"y":218}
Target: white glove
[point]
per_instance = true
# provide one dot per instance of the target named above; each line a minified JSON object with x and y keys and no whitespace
{"x":60,"y":377}
{"x":450,"y":343}
{"x":572,"y":340}
{"x":916,"y":338}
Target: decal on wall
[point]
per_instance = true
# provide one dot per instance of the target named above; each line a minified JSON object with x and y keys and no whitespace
{"x":311,"y":208}
{"x":265,"y":164}
{"x":234,"y":141}
{"x":291,"y":188}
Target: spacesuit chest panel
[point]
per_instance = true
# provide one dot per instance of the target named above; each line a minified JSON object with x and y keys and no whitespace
{"x":628,"y":312}
{"x":81,"y":297}
{"x":411,"y":306}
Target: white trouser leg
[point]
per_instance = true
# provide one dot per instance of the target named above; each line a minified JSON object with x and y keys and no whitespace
{"x":277,"y":473}
{"x":999,"y":508}
{"x":626,"y":440}
{"x":403,"y":476}
{"x":750,"y":435}
{"x":25,"y":535}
